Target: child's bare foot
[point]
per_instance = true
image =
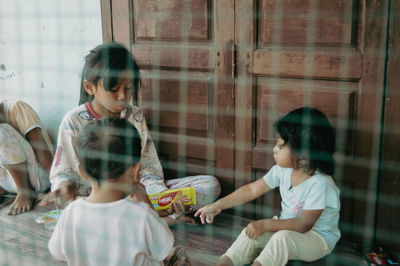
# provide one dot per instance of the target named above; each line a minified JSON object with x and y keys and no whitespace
{"x":21,"y":204}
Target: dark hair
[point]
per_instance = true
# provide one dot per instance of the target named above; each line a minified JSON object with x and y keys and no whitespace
{"x":107,"y":147}
{"x":108,"y":61}
{"x":310,"y":136}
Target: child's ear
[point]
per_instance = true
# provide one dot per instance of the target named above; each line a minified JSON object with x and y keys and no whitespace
{"x":89,"y":87}
{"x":82,"y":173}
{"x":135,"y":172}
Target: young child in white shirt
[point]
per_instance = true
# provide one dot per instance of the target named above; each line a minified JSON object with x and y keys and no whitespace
{"x":307,"y":228}
{"x":107,"y":227}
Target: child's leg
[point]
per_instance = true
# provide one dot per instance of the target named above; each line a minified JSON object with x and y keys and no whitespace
{"x":6,"y":181}
{"x":207,"y":188}
{"x":19,"y":169}
{"x":289,"y":245}
{"x":245,"y":249}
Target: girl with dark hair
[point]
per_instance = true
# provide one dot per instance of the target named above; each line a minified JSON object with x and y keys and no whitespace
{"x":307,"y":228}
{"x":110,"y":81}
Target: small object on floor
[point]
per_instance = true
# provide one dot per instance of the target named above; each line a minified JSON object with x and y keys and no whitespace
{"x":49,"y":219}
{"x":378,"y":256}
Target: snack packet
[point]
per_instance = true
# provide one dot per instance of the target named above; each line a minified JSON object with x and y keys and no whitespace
{"x":164,"y":199}
{"x":49,"y":219}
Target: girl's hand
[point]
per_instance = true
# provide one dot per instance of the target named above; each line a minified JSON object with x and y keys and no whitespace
{"x":208,"y":212}
{"x":178,"y":207}
{"x":61,"y":196}
{"x":257,"y":228}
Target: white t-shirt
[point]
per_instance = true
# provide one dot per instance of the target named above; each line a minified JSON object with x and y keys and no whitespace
{"x":118,"y":233}
{"x":316,"y":193}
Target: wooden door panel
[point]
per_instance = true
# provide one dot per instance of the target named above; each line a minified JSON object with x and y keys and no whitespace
{"x":189,"y":56}
{"x":315,"y":62}
{"x":185,"y":53}
{"x":194,"y":113}
{"x":172,"y":20}
{"x":294,"y":23}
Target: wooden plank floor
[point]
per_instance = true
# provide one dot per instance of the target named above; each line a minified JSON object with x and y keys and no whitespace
{"x":24,"y":242}
{"x":206,"y":243}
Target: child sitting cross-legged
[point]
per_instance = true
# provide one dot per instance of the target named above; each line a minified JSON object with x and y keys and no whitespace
{"x":307,"y":228}
{"x":108,"y":227}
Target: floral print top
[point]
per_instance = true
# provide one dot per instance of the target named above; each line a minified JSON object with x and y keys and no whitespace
{"x":65,"y":163}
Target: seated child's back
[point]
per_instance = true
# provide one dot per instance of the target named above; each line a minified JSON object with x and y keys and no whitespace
{"x":107,"y":228}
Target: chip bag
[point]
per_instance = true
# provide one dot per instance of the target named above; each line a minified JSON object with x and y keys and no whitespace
{"x":164,"y":199}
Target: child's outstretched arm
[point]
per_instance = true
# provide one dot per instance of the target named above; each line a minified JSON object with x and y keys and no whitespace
{"x":242,"y":195}
{"x":300,"y":224}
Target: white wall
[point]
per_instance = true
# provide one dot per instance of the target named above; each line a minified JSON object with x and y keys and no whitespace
{"x":42,"y":49}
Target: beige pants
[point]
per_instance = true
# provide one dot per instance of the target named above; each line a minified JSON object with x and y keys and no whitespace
{"x":277,"y":248}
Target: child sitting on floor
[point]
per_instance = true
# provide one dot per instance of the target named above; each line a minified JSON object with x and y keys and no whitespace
{"x":110,"y":82}
{"x":106,"y":227}
{"x":26,"y":154}
{"x":307,"y":229}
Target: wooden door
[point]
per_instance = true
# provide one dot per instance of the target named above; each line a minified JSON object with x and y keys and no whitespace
{"x":320,"y":53}
{"x":217,"y":73}
{"x":388,"y":210}
{"x":184,"y":49}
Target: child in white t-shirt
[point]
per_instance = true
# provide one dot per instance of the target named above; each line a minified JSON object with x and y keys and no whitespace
{"x":307,"y":228}
{"x":107,"y":228}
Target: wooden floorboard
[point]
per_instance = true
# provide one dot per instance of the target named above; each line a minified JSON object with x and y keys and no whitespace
{"x":24,"y":242}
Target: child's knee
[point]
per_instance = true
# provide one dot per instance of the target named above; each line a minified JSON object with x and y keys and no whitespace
{"x":281,"y":235}
{"x":210,"y":180}
{"x":214,"y":183}
{"x":209,"y":187}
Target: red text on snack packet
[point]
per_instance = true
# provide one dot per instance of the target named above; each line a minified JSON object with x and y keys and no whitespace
{"x":167,"y":199}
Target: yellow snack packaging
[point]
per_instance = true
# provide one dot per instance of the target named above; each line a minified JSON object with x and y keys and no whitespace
{"x":164,"y":199}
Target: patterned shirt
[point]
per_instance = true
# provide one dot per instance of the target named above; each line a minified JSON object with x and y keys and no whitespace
{"x":65,"y":162}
